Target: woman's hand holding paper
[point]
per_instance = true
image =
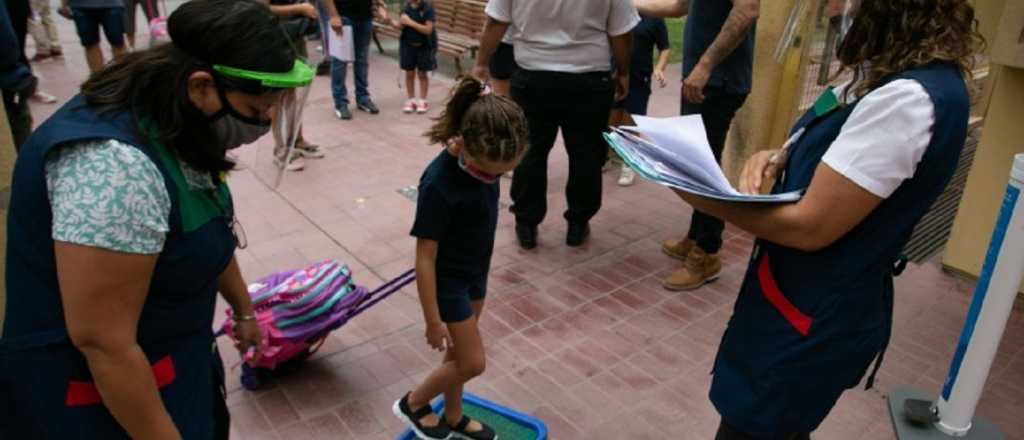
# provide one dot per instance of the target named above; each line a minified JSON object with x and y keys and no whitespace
{"x":763,"y":167}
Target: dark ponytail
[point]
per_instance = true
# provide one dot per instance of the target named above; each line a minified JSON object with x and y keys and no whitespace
{"x":491,"y":126}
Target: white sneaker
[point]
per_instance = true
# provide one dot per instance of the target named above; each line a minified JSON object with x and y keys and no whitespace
{"x":295,"y":164}
{"x":627,"y":177}
{"x":409,"y":107}
{"x":43,"y":97}
{"x":309,"y":150}
{"x":422,"y":107}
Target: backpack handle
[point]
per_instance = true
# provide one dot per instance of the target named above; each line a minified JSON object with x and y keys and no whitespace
{"x":386,"y":290}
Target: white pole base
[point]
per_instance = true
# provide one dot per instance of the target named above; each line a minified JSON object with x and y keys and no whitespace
{"x":980,"y":429}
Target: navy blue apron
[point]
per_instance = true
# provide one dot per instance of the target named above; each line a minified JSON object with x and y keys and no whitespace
{"x":807,"y":325}
{"x":46,"y":391}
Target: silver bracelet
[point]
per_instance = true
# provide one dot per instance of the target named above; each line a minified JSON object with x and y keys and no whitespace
{"x":244,"y":317}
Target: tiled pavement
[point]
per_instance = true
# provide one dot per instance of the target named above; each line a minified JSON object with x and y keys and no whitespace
{"x":585,"y":339}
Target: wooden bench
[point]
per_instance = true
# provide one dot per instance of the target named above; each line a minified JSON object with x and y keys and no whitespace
{"x":458,"y":26}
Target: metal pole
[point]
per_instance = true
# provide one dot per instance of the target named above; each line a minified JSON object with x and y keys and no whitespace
{"x":989,"y":312}
{"x":914,"y":415}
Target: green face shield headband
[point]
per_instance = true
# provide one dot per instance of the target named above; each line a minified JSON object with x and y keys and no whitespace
{"x":300,"y":75}
{"x":285,"y":119}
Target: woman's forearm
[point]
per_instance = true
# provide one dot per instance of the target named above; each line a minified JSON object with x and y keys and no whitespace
{"x":831,"y":206}
{"x":776,"y":223}
{"x":125,"y":382}
{"x":232,"y":287}
{"x":663,"y":8}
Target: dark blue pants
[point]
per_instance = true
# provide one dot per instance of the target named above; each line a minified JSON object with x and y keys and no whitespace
{"x":639,"y":94}
{"x":362,"y":31}
{"x":727,"y":432}
{"x":88,"y":22}
{"x":717,"y":111}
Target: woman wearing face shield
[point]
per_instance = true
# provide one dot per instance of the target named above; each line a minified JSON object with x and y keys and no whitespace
{"x":814,"y":312}
{"x":120,"y":235}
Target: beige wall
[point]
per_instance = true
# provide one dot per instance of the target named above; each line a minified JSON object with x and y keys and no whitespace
{"x":1001,"y":138}
{"x":989,"y":14}
{"x":774,"y":88}
{"x":6,"y":166}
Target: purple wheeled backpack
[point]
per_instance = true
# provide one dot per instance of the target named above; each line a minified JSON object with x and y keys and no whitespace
{"x":297,"y":310}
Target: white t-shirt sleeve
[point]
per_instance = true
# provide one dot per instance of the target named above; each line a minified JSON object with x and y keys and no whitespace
{"x":622,"y":17}
{"x":884,"y":138}
{"x":500,"y":10}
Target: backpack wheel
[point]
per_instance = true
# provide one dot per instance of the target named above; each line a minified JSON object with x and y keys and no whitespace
{"x":250,"y":378}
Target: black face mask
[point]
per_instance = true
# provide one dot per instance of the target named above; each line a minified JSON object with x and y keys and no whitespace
{"x":233,"y":129}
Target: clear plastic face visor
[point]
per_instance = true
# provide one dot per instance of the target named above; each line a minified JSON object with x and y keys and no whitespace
{"x":839,"y":14}
{"x":273,"y":155}
{"x":847,"y":13}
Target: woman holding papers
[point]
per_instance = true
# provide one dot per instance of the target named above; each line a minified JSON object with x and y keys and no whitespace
{"x":815,"y":309}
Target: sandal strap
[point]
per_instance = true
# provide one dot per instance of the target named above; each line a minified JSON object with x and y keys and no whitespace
{"x":426,"y":410}
{"x":463,"y":424}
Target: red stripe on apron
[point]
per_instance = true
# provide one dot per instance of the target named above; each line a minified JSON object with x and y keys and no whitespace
{"x":85,"y":393}
{"x":770,"y":289}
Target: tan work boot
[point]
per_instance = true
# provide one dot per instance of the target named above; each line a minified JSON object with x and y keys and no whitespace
{"x":678,"y":248}
{"x":699,"y":269}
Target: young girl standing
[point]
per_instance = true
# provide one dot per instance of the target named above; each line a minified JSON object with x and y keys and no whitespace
{"x":416,"y":50}
{"x":456,"y":218}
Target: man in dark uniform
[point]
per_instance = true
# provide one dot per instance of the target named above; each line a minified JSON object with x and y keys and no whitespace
{"x":718,"y":59}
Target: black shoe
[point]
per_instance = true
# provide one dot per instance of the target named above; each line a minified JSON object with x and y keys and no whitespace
{"x":343,"y":113}
{"x":411,"y":418}
{"x":527,"y":236}
{"x":369,"y":107}
{"x":459,"y":431}
{"x":578,"y":233}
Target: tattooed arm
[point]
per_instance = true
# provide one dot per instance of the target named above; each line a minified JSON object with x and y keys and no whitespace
{"x":742,"y":17}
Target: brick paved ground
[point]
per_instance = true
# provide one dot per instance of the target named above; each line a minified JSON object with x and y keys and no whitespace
{"x":584,"y":339}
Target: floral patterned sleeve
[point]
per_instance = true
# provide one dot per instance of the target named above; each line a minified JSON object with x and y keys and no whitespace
{"x":109,"y":195}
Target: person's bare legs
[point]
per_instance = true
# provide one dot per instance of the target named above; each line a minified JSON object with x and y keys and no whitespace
{"x":453,"y":396}
{"x":119,"y":51}
{"x":464,"y":361}
{"x":94,"y":57}
{"x":424,"y":84}
{"x":410,"y":84}
{"x":501,"y":87}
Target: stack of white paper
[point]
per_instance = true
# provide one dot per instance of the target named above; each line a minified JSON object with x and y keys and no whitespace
{"x":675,"y":152}
{"x":340,"y":46}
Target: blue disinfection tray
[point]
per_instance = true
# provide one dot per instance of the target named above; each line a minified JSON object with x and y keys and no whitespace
{"x":509,"y":424}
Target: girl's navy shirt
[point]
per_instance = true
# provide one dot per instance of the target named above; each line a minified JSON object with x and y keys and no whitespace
{"x":460,"y":213}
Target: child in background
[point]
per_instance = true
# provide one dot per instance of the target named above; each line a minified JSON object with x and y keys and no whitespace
{"x":456,"y":218}
{"x":651,"y":33}
{"x":416,"y":51}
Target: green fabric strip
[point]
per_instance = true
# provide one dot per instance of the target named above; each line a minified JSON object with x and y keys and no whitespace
{"x":197,"y":207}
{"x":826,"y":103}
